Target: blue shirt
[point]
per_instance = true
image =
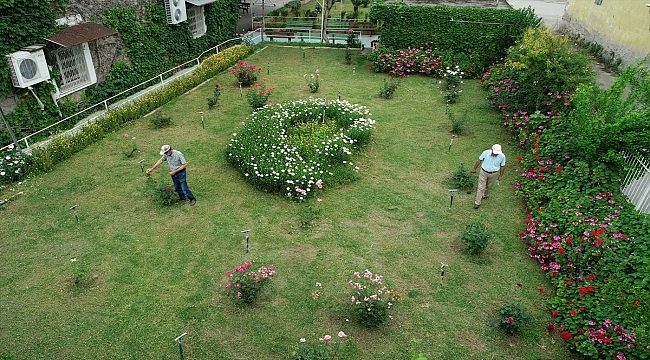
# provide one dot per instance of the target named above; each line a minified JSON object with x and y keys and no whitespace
{"x":175,"y":160}
{"x":492,"y":163}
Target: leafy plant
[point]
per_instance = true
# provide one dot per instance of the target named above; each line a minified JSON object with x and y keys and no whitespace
{"x":463,"y":179}
{"x":12,"y":165}
{"x":371,"y":300}
{"x":327,"y":348}
{"x":159,"y":121}
{"x":312,"y":81}
{"x":388,"y":88}
{"x":400,"y":63}
{"x":132,"y":149}
{"x":258,"y":95}
{"x":458,"y":125}
{"x":246,"y":73}
{"x":476,"y":237}
{"x":212,"y":101}
{"x":451,"y":81}
{"x":244,"y":285}
{"x":511,"y":317}
{"x":163,"y":194}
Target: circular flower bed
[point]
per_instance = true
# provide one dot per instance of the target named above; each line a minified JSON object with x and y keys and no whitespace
{"x":290,"y":148}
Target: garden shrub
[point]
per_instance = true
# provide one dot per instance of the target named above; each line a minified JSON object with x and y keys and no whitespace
{"x":159,"y":121}
{"x":540,"y":73}
{"x":511,"y":317}
{"x":244,"y":285}
{"x":388,"y":89}
{"x":476,"y":237}
{"x":371,"y":301}
{"x":327,"y":348}
{"x":462,"y":179}
{"x":470,"y":44}
{"x":287,"y":148}
{"x":584,"y":233}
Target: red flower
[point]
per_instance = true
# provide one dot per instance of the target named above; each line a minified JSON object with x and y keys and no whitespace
{"x":555,"y":313}
{"x":568,"y":282}
{"x":583,"y":290}
{"x":636,"y":303}
{"x":591,"y":289}
{"x":597,"y":232}
{"x":520,"y":158}
{"x":592,"y":277}
{"x":573,"y":312}
{"x":541,"y":290}
{"x":168,"y":189}
{"x":530,"y":216}
{"x":565,"y":335}
{"x":540,"y":178}
{"x":560,"y":250}
{"x":608,"y":340}
{"x":599,"y":242}
{"x":580,"y":331}
{"x":553,"y":273}
{"x":570,"y":302}
{"x":568,"y":240}
{"x":582,"y":308}
{"x":558,"y":170}
{"x":550,"y":327}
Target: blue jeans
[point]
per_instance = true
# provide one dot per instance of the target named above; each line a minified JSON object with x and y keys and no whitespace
{"x":180,"y":186}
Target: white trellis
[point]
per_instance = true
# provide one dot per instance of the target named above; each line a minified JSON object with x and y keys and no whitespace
{"x":636,"y":184}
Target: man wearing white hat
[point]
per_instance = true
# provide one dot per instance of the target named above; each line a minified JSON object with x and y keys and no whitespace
{"x":177,"y":166}
{"x":492,"y":162}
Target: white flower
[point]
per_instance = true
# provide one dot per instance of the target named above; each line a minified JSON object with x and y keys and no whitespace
{"x":342,"y":334}
{"x":302,"y":340}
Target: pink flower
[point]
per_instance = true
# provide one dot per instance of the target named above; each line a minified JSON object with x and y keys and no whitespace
{"x":510,"y":320}
{"x":327,"y":337}
{"x":228,"y":286}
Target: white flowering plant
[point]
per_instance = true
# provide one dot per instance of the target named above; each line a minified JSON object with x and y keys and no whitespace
{"x":371,"y":301}
{"x":327,"y":348}
{"x":12,"y":165}
{"x":451,"y":81}
{"x":293,"y":148}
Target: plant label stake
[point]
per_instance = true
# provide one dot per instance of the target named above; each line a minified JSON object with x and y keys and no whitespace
{"x":74,"y":210}
{"x":442,"y":273}
{"x":268,"y":68}
{"x":141,"y":162}
{"x":339,"y":95}
{"x":202,"y":123}
{"x":246,"y":233}
{"x":451,"y":142}
{"x":354,"y":71}
{"x":451,"y":200}
{"x":241,"y":94}
{"x":179,"y":340}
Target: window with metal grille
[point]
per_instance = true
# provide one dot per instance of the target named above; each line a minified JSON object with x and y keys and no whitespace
{"x":75,"y":67}
{"x":196,"y":21}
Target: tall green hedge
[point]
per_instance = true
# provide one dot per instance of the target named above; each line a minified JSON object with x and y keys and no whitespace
{"x":470,"y":36}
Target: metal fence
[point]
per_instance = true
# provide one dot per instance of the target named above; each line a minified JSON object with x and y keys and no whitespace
{"x":636,"y":184}
{"x":100,"y":109}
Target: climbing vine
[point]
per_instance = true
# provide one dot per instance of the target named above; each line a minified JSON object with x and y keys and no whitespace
{"x":153,"y":46}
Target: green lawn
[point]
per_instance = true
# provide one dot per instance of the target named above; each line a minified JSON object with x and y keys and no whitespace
{"x":155,"y":273}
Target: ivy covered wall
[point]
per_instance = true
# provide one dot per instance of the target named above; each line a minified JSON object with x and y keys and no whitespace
{"x":23,"y":23}
{"x":471,"y":36}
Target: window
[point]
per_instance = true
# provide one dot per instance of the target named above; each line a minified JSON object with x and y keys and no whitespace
{"x":75,"y":67}
{"x":196,"y":21}
{"x":598,"y":2}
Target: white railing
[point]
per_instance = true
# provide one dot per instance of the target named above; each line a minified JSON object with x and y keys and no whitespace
{"x":155,"y":82}
{"x":636,"y":184}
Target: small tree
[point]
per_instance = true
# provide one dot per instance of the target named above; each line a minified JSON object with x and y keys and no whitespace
{"x":511,"y":317}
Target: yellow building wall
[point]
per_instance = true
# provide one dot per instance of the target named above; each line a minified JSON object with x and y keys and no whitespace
{"x":621,"y":24}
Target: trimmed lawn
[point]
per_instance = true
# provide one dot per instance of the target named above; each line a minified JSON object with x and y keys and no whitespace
{"x":154,"y":273}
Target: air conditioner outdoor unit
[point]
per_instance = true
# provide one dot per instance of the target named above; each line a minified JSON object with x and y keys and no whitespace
{"x":28,"y":67}
{"x":176,"y":12}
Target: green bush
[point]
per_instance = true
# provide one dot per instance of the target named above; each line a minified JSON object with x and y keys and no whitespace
{"x":163,"y":194}
{"x":463,"y":179}
{"x":371,"y":301}
{"x":511,"y":317}
{"x":244,"y":285}
{"x":476,"y":237}
{"x":159,"y":121}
